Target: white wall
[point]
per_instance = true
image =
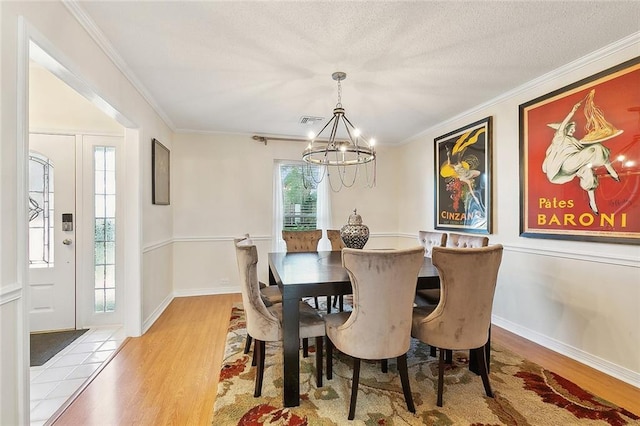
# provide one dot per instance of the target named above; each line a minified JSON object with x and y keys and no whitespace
{"x":147,"y":225}
{"x":577,"y":298}
{"x":56,"y":107}
{"x":222,"y":187}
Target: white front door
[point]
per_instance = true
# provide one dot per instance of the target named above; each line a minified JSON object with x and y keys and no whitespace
{"x":52,"y":224}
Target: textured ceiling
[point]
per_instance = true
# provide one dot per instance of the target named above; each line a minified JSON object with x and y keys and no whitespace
{"x":258,"y":67}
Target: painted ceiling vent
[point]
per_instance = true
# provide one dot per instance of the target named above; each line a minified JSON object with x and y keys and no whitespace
{"x":307,"y":119}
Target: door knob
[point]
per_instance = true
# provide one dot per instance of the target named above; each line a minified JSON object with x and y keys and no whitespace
{"x":67,"y":242}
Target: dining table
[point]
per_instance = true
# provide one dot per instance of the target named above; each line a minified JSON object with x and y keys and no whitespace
{"x":306,"y":274}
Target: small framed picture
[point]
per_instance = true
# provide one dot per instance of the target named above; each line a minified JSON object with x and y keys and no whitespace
{"x":160,"y":173}
{"x":463,"y":179}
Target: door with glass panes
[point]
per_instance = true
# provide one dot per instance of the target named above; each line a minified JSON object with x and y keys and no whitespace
{"x":52,"y":228}
{"x":63,"y":295}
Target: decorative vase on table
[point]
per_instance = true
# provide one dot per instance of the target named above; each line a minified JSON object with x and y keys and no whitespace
{"x":354,"y":234}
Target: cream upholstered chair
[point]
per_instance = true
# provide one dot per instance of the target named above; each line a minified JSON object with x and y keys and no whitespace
{"x":336,"y":240}
{"x":264,"y":323}
{"x":431,"y":239}
{"x":462,"y":318}
{"x":298,"y":241}
{"x":456,"y":241}
{"x":379,"y":327}
{"x":466,"y":241}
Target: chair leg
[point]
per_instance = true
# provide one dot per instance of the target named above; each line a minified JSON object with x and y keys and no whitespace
{"x":404,"y":378}
{"x":432,"y":351}
{"x":259,"y":350}
{"x":484,"y":371}
{"x":385,"y":365}
{"x":448,"y":356}
{"x":305,"y":347}
{"x":354,"y":388}
{"x":328,"y":304}
{"x":315,"y":299}
{"x":247,"y":344}
{"x":329,"y":359}
{"x":440,"y":377}
{"x":319,"y":361}
{"x":341,"y":303}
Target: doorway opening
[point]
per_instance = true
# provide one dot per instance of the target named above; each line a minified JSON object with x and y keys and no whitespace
{"x":81,"y":217}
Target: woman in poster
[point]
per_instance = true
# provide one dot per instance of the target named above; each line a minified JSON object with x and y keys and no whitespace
{"x":568,"y":157}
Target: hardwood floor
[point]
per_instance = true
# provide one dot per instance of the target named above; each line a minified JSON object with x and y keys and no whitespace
{"x":170,"y":374}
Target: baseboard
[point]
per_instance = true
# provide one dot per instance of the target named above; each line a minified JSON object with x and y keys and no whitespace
{"x":599,"y":364}
{"x":156,"y":313}
{"x":207,"y":291}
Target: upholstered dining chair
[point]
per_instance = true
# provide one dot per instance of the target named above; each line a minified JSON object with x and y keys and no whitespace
{"x":300,"y":241}
{"x":269,"y":294}
{"x":336,"y":245}
{"x":431,"y":239}
{"x":379,"y":327}
{"x":336,"y":240}
{"x":432,"y":295}
{"x":462,"y":318}
{"x":264,"y":323}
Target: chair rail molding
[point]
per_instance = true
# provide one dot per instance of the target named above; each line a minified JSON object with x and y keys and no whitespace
{"x":10,"y":293}
{"x":599,"y":257}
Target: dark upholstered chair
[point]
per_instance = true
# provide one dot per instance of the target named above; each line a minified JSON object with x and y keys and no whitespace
{"x":298,"y":241}
{"x":264,"y":323}
{"x":462,"y":318}
{"x":301,"y":241}
{"x":336,"y":245}
{"x":379,"y":327}
{"x":336,"y":240}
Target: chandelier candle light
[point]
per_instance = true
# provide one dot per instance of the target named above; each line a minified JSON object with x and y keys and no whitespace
{"x":344,"y":148}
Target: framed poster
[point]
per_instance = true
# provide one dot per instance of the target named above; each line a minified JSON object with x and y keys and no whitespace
{"x":160,"y":173}
{"x":580,"y":160}
{"x":463,"y":178}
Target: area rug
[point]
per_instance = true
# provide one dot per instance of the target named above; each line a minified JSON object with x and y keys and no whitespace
{"x":44,"y":346}
{"x":525,"y":393}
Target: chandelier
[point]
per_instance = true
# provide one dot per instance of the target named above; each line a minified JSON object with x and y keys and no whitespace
{"x":343,"y":151}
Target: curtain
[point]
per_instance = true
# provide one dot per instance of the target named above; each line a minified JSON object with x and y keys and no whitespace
{"x":323,"y":215}
{"x":277,"y":243}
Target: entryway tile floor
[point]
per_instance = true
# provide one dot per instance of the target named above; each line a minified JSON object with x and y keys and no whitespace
{"x":54,"y":382}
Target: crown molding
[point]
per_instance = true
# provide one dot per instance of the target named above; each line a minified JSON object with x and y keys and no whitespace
{"x":597,"y":55}
{"x":103,"y":42}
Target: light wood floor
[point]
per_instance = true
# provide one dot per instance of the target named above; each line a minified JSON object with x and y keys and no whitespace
{"x":169,"y":375}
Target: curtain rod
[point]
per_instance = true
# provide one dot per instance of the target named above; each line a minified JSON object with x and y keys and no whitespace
{"x":264,"y":139}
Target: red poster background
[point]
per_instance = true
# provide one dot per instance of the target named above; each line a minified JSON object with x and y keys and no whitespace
{"x":563,"y":209}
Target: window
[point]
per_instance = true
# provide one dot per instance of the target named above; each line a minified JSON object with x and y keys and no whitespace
{"x":300,"y":203}
{"x":40,"y":211}
{"x":105,"y":229}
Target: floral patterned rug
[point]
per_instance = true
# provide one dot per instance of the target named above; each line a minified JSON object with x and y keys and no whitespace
{"x":525,"y":393}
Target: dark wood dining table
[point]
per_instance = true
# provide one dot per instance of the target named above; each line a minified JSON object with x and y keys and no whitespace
{"x":320,"y":273}
{"x":307,"y":274}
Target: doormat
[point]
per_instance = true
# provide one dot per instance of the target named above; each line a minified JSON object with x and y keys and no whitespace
{"x":45,"y":345}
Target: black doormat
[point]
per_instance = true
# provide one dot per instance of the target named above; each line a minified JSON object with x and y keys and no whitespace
{"x":45,"y":345}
